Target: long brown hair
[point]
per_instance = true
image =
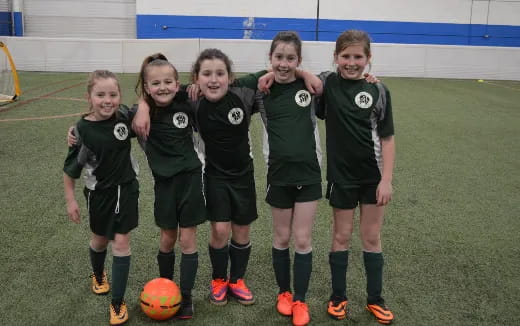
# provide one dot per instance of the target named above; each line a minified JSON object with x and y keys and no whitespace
{"x":154,"y":60}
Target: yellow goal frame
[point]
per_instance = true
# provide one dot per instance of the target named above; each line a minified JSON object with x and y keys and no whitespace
{"x":16,"y":82}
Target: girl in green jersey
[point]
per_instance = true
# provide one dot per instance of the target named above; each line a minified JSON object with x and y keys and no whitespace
{"x":360,"y":161}
{"x":222,"y":118}
{"x":178,"y":186}
{"x":111,"y":188}
{"x":293,"y":177}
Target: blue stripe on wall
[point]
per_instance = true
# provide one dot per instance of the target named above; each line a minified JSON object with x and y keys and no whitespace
{"x":18,"y":23}
{"x":164,"y":26}
{"x":5,"y":24}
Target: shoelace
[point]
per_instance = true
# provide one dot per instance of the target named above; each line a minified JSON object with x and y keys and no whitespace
{"x":117,"y":307}
{"x":99,"y":279}
{"x":218,"y":284}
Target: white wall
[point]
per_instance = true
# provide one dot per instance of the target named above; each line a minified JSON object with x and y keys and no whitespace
{"x":126,"y":55}
{"x":110,"y":19}
{"x":501,"y":12}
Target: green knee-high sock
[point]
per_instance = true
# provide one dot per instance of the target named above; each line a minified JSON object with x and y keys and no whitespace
{"x":302,"y":269}
{"x":97,"y":259}
{"x":239,"y":257}
{"x":120,"y":269}
{"x":374,"y":271}
{"x":166,"y":261}
{"x":189,"y":266}
{"x":338,"y":261}
{"x":282,"y":268}
{"x":219,"y":261}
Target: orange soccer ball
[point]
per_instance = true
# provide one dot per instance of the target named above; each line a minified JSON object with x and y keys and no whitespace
{"x":160,"y":299}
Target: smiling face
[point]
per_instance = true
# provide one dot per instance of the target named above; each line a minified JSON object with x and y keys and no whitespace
{"x":161,"y":84}
{"x":284,"y":61}
{"x":213,"y":79}
{"x":104,"y":98}
{"x":352,"y":61}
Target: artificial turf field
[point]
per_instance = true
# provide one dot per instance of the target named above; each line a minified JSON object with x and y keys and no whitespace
{"x":450,"y":237}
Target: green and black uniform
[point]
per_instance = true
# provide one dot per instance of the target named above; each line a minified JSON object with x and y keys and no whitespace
{"x":176,"y":167}
{"x":111,"y":188}
{"x":292,"y":148}
{"x":223,"y":127}
{"x":178,"y":184}
{"x":293,"y":156}
{"x":358,"y":114}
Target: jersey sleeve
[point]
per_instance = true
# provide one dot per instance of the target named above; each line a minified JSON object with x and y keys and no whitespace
{"x":385,"y":126}
{"x":72,"y":166}
{"x":128,"y":116}
{"x":249,"y":80}
{"x":320,"y":107}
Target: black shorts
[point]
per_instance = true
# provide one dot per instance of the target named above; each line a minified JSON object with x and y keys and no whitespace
{"x":287,"y":196}
{"x":179,"y":200}
{"x":350,"y":196}
{"x":113,"y":210}
{"x":231,"y":200}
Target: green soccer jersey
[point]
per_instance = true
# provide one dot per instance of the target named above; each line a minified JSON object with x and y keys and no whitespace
{"x":358,"y":114}
{"x":103,"y":149}
{"x":292,"y":146}
{"x":169,"y":147}
{"x":224,"y":129}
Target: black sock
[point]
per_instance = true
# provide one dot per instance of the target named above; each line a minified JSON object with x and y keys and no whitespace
{"x":338,"y":261}
{"x":97,"y":259}
{"x":282,"y":268}
{"x":166,"y":261}
{"x":189,"y":266}
{"x":120,"y":269}
{"x":302,"y":269}
{"x":374,"y":271}
{"x":219,"y":261}
{"x":239,"y":257}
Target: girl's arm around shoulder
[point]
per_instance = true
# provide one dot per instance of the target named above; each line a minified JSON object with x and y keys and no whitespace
{"x":250,"y":80}
{"x":141,"y":121}
{"x":313,"y":83}
{"x":384,"y":189}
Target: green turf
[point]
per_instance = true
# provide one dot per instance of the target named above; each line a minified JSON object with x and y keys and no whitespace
{"x":450,"y":238}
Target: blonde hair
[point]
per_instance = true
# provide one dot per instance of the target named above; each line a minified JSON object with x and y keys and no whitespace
{"x":100,"y":74}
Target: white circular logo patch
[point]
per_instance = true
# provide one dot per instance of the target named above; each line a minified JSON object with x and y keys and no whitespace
{"x":303,"y":98}
{"x":363,"y":100}
{"x":235,"y":116}
{"x":180,"y":120}
{"x":121,"y":131}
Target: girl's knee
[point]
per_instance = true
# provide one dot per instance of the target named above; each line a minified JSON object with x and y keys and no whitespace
{"x":240,"y":233}
{"x":302,"y":246}
{"x":219,"y":235}
{"x":372,"y":243}
{"x":98,"y":243}
{"x":188,"y":242}
{"x":121,"y":245}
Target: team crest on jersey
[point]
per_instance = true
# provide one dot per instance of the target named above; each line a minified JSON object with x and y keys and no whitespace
{"x":180,"y":120}
{"x":303,"y":98}
{"x":363,"y":100}
{"x":121,"y":131}
{"x":235,"y":116}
